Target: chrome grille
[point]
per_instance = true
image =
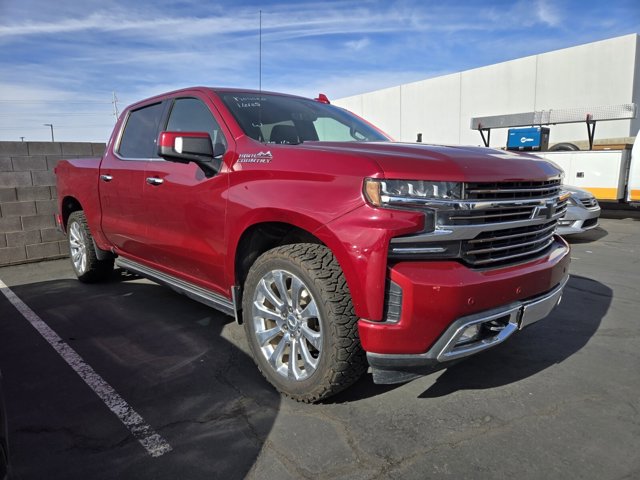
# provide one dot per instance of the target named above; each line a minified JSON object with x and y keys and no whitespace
{"x":589,"y":202}
{"x":499,"y":214}
{"x":502,"y":247}
{"x":494,"y":215}
{"x":512,"y":190}
{"x":562,"y":206}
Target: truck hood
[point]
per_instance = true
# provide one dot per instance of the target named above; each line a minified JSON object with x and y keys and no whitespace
{"x":414,"y":161}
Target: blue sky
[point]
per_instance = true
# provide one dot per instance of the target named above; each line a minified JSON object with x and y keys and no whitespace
{"x":60,"y":60}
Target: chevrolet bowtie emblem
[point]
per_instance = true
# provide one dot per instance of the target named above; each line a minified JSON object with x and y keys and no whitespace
{"x":551,"y":208}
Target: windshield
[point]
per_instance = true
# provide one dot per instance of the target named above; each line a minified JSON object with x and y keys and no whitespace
{"x":291,"y":120}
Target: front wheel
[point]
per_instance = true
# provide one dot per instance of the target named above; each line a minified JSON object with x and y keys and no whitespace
{"x":84,"y":259}
{"x":300,"y":322}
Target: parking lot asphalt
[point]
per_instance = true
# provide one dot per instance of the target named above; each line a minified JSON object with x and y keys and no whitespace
{"x":560,"y":399}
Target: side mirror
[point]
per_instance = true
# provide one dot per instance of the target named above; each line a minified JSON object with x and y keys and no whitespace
{"x":186,"y":147}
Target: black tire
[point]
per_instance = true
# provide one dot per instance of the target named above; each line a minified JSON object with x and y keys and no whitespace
{"x":84,"y":258}
{"x":564,"y":147}
{"x":313,"y":282}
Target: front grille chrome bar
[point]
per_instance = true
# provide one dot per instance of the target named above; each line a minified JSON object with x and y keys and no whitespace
{"x":515,"y":256}
{"x":501,"y":191}
{"x":550,"y":229}
{"x":509,"y":247}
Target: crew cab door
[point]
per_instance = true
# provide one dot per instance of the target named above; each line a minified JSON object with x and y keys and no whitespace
{"x":123,"y":180}
{"x":187,"y":232}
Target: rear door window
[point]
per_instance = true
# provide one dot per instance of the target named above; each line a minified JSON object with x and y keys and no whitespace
{"x":140,"y":132}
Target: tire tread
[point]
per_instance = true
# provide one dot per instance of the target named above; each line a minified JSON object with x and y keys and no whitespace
{"x":97,"y":270}
{"x":347,"y":360}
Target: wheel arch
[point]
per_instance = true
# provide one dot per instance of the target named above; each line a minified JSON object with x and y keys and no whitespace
{"x":262,"y":236}
{"x":69,"y":205}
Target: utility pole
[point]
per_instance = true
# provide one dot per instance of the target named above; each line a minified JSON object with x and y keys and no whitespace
{"x":114,"y":100}
{"x":22,"y":139}
{"x":50,"y":125}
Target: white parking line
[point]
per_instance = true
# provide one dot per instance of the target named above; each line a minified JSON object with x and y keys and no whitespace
{"x":153,"y":443}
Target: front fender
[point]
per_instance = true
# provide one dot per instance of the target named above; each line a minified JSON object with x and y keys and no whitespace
{"x":360,"y":240}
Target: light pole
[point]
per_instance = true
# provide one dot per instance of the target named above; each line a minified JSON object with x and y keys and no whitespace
{"x":50,"y":125}
{"x":22,"y":139}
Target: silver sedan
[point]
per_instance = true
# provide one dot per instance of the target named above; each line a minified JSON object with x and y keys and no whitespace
{"x":582,"y":214}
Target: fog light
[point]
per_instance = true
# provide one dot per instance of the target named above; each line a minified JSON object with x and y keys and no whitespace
{"x":470,"y":334}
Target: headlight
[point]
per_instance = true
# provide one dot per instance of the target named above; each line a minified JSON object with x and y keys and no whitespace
{"x":380,"y":192}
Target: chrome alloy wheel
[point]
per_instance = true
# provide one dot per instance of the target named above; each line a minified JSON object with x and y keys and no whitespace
{"x":287,"y":325}
{"x":78,"y":247}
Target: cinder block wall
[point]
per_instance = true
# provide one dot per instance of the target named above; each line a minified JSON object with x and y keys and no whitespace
{"x":28,"y":198}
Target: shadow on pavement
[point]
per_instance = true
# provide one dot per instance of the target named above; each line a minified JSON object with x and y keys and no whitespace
{"x":362,"y":389}
{"x":587,"y":237}
{"x":620,"y":211}
{"x":163,"y":353}
{"x":568,"y":329}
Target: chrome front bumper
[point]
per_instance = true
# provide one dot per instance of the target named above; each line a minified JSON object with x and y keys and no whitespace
{"x":397,"y":368}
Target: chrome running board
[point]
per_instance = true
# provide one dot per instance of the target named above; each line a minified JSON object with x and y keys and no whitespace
{"x":192,"y":291}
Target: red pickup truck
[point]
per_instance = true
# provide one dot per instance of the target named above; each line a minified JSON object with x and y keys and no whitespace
{"x":336,"y":247}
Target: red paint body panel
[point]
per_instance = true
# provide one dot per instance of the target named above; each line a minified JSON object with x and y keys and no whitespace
{"x":124,"y":211}
{"x":77,"y":179}
{"x":417,"y":161}
{"x":190,"y":226}
{"x":186,"y":229}
{"x":360,"y":242}
{"x":437,"y":293}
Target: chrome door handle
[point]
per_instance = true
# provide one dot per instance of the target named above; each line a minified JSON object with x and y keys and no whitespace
{"x":106,"y":178}
{"x":154,"y":181}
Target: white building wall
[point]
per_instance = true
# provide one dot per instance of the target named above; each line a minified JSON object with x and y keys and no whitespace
{"x":382,"y":108}
{"x":508,"y":87}
{"x":595,"y":74}
{"x":434,"y":106}
{"x":600,"y":73}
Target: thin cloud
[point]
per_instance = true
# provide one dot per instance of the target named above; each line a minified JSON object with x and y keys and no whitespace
{"x":81,"y":49}
{"x":357,"y":45}
{"x":277,"y":22}
{"x":547,"y":13}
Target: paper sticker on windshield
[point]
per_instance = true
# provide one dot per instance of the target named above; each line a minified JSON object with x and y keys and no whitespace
{"x":260,"y":157}
{"x":249,"y":102}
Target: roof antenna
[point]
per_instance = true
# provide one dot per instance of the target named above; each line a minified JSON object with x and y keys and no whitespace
{"x":260,"y":80}
{"x":260,"y":56}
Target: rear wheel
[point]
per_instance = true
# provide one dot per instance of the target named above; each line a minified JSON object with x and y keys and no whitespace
{"x":84,"y":258}
{"x":300,"y":322}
